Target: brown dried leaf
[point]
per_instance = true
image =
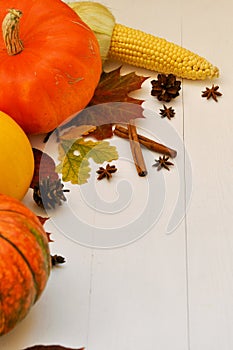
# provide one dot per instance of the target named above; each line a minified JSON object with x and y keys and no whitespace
{"x":51,"y":347}
{"x":42,"y":221}
{"x":104,"y":115}
{"x":111,"y":103}
{"x":114,"y":87}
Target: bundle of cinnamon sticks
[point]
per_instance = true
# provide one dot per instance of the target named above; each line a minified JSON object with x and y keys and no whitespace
{"x":136,"y":140}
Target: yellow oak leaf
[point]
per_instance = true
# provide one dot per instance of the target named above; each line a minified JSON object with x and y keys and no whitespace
{"x":74,"y":158}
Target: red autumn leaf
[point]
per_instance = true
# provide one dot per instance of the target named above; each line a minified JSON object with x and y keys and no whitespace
{"x":42,"y":221}
{"x":44,"y":166}
{"x":111,"y":103}
{"x":48,"y":236}
{"x":51,"y":347}
{"x":114,"y":87}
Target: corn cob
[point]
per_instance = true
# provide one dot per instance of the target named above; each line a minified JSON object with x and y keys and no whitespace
{"x":141,"y":49}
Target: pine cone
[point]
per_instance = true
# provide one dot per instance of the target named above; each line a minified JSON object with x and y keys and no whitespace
{"x":166,"y":87}
{"x":49,"y":193}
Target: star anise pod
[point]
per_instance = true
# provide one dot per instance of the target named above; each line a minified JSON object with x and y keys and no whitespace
{"x":165,"y":87}
{"x":57,"y":259}
{"x":162,"y":162}
{"x":106,"y":172}
{"x":167,"y":112}
{"x":211,"y":92}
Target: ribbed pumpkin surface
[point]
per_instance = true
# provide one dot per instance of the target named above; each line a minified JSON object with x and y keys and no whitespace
{"x":25,"y":261}
{"x":56,"y":73}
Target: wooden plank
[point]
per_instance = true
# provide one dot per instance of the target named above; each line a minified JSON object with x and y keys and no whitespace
{"x":208,"y":135}
{"x":138,"y":294}
{"x":61,"y":314}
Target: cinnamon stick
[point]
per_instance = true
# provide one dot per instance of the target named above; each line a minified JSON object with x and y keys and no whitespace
{"x":136,"y":150}
{"x":148,"y":143}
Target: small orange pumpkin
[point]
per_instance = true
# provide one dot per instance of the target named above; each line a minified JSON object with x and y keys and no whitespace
{"x":50,"y":63}
{"x":25,"y":261}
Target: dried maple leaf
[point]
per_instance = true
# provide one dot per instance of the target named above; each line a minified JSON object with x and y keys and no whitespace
{"x":104,"y":115}
{"x":48,"y":236}
{"x":107,"y":108}
{"x":51,"y":347}
{"x":44,"y":167}
{"x":74,"y":155}
{"x":55,"y":260}
{"x":114,"y":87}
{"x":42,"y":221}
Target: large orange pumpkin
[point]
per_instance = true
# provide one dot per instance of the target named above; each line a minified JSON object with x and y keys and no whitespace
{"x":25,"y":261}
{"x":50,"y":63}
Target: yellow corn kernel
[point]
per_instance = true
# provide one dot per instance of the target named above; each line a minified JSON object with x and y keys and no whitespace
{"x":142,"y":50}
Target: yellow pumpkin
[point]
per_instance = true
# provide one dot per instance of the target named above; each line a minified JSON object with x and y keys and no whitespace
{"x":16,"y":158}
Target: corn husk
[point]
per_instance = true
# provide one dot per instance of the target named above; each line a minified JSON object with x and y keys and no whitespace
{"x":99,"y":19}
{"x":140,"y":49}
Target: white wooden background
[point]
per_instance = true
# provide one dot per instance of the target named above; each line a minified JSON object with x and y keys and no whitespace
{"x":165,"y":292}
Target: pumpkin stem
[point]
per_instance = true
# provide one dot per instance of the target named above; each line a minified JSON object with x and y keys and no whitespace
{"x":10,"y":30}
